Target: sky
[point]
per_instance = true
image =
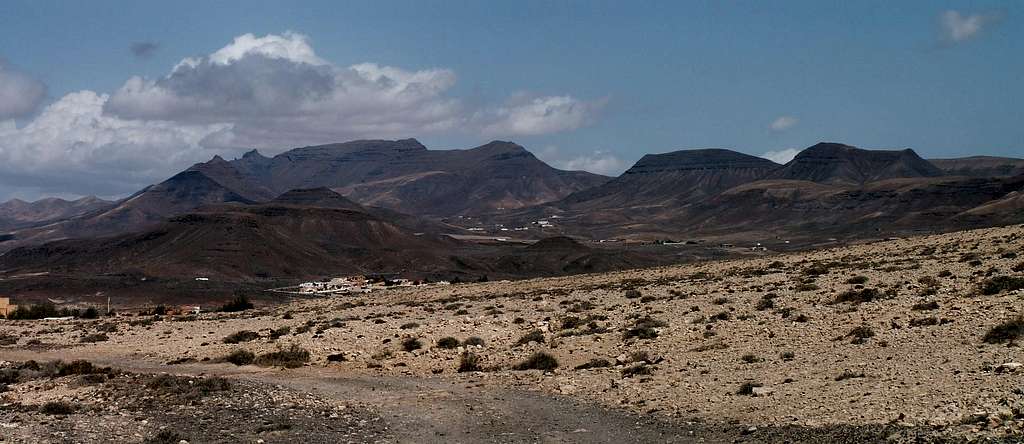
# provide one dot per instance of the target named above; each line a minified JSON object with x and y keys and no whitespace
{"x":103,"y":98}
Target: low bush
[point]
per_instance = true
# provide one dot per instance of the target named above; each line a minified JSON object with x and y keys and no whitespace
{"x":57,"y":408}
{"x":240,"y":357}
{"x":1001,"y":284}
{"x":292,"y":357}
{"x":447,"y":342}
{"x":857,"y":280}
{"x":469,"y":362}
{"x":241,"y":336}
{"x":538,"y":361}
{"x":410,"y":344}
{"x":644,"y":328}
{"x":474,"y":341}
{"x":239,"y":303}
{"x":747,"y":388}
{"x":1006,"y":332}
{"x":858,"y":296}
{"x":533,"y":336}
{"x":594,"y":363}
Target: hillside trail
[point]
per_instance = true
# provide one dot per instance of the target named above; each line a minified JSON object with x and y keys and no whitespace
{"x":439,"y":410}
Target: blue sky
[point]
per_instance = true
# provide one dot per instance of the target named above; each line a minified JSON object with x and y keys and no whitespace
{"x":617,"y":80}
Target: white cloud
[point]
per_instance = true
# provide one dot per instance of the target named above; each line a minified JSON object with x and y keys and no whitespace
{"x":783,"y":123}
{"x":781,"y":156}
{"x":598,"y":161}
{"x":20,"y":94}
{"x":72,"y":147}
{"x":276,"y":92}
{"x":525,"y":116}
{"x":957,"y":27}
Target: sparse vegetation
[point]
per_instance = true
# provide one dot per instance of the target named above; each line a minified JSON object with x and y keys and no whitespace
{"x":240,"y":357}
{"x":848,"y":374}
{"x":469,"y":362}
{"x":858,"y":296}
{"x":594,"y":363}
{"x":857,"y":280}
{"x":473,"y":341}
{"x":57,"y":408}
{"x":1000,"y":284}
{"x":239,"y":303}
{"x":538,"y":361}
{"x":1006,"y":332}
{"x":447,"y":342}
{"x":644,"y":328}
{"x":241,"y":336}
{"x":532,"y":336}
{"x":411,"y":344}
{"x":747,"y":388}
{"x":293,"y":356}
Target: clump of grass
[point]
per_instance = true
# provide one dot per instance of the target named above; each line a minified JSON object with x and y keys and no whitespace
{"x":925,"y":306}
{"x":95,"y":337}
{"x":409,"y":325}
{"x":858,"y":296}
{"x":410,"y":344}
{"x":292,"y":357}
{"x":1001,"y":284}
{"x":57,"y":408}
{"x":532,"y":336}
{"x":860,"y":334}
{"x":787,"y":356}
{"x":469,"y":362}
{"x":721,"y":300}
{"x":767,"y":302}
{"x":538,"y":361}
{"x":240,"y":357}
{"x":165,"y":436}
{"x":747,"y":388}
{"x":806,"y":286}
{"x":644,"y":328}
{"x":632,"y":294}
{"x":857,"y":280}
{"x":750,"y":358}
{"x":848,"y":374}
{"x":1006,"y":332}
{"x":447,"y":342}
{"x":241,"y":336}
{"x":639,"y":369}
{"x":474,"y":341}
{"x":594,"y":363}
{"x":277,"y":333}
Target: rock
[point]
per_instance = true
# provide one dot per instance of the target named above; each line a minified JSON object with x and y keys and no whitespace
{"x":762,"y":391}
{"x":1009,"y":367}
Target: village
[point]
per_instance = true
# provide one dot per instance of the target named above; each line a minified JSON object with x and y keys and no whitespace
{"x":351,"y":285}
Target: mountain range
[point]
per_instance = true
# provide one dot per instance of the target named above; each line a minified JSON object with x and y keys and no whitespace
{"x":394,"y":206}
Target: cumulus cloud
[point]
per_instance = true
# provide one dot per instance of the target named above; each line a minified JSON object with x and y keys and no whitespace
{"x":781,"y":156}
{"x":598,"y":161}
{"x":958,"y":27}
{"x":71,"y":146}
{"x":20,"y":94}
{"x":144,"y":50}
{"x":526,"y":116}
{"x":275,"y":91}
{"x":783,"y":123}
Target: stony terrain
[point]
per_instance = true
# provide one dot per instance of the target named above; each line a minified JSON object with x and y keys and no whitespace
{"x":892,"y":340}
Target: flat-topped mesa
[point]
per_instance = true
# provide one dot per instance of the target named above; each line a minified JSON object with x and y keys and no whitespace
{"x":678,"y":176}
{"x":836,"y":163}
{"x":701,"y":159}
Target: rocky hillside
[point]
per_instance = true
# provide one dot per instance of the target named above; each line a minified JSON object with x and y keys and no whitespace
{"x":834,"y":163}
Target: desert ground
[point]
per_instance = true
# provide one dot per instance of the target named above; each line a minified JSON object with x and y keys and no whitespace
{"x":906,"y":340}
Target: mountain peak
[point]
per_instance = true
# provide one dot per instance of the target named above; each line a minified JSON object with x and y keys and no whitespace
{"x":829,"y":162}
{"x":698,"y":159}
{"x":253,"y":154}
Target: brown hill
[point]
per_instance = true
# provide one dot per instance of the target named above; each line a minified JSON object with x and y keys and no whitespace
{"x":673,"y":178}
{"x":840,"y":164}
{"x":405,"y":176}
{"x":981,"y":166}
{"x":184,"y":192}
{"x":247,"y":242}
{"x":17,"y":213}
